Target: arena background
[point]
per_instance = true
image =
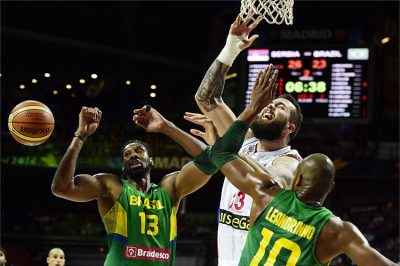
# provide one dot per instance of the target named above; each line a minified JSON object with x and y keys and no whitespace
{"x":171,"y":45}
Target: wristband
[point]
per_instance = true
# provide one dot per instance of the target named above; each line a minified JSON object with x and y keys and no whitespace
{"x":77,"y":135}
{"x":227,"y":147}
{"x":204,"y":163}
{"x":230,"y":50}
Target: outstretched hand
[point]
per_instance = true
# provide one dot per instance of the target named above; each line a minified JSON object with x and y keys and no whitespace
{"x":210,"y":134}
{"x":89,"y":120}
{"x":263,"y":89}
{"x":149,"y":119}
{"x":262,"y":94}
{"x":242,"y":30}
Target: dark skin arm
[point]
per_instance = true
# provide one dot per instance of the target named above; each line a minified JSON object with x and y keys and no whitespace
{"x":184,"y":182}
{"x":189,"y":178}
{"x":83,"y":187}
{"x":152,"y":121}
{"x":339,"y":237}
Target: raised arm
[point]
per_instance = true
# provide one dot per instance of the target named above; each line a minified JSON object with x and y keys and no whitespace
{"x":80,"y":187}
{"x":184,"y":182}
{"x":190,"y":178}
{"x":209,"y":94}
{"x":152,"y":121}
{"x":224,"y":152}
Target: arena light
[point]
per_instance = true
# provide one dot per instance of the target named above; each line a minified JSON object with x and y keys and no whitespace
{"x":153,"y":87}
{"x":385,"y":40}
{"x":55,"y":92}
{"x":93,"y":76}
{"x":22,"y":86}
{"x":68,"y":86}
{"x":34,"y":81}
{"x":47,"y":75}
{"x":153,"y":94}
{"x":128,"y":82}
{"x":82,"y":81}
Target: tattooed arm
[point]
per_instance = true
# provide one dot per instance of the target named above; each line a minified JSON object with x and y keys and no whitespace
{"x":209,"y":95}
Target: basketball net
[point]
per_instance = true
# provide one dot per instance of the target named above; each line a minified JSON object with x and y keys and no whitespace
{"x":273,"y":11}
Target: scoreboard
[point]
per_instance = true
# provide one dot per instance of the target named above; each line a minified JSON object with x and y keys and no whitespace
{"x":330,"y":84}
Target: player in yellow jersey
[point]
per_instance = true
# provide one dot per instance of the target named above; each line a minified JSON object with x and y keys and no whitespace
{"x":289,"y":227}
{"x":138,"y":215}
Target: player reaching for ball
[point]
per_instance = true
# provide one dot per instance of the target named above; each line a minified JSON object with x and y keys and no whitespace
{"x":138,"y":215}
{"x":267,"y":141}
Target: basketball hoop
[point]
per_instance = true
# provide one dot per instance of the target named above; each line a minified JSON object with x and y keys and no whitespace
{"x":273,"y":11}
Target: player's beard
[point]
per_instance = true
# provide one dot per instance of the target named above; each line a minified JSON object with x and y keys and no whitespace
{"x":267,"y":131}
{"x":137,"y":173}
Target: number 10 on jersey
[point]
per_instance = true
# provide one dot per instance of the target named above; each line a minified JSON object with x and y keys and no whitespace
{"x":276,"y":248}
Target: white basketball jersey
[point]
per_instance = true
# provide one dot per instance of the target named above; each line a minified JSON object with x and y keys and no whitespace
{"x":235,"y":206}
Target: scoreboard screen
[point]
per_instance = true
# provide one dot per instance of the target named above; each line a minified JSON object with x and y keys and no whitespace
{"x":330,"y":84}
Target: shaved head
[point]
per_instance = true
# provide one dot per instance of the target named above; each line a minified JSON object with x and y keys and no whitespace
{"x":314,"y":178}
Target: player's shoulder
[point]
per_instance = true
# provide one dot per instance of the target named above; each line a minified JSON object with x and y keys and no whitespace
{"x":336,"y":225}
{"x":108,"y":178}
{"x":294,"y":154}
{"x":168,"y":178}
{"x":170,"y":175}
{"x":286,"y":161}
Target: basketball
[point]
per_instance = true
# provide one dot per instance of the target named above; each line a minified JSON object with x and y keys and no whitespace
{"x":31,"y":123}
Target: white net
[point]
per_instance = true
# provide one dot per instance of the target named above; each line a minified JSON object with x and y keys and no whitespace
{"x":273,"y":11}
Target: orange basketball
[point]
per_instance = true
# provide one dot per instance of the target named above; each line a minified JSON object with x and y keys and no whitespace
{"x":31,"y":123}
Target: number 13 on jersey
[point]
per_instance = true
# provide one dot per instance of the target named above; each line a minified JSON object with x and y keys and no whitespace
{"x":150,"y":221}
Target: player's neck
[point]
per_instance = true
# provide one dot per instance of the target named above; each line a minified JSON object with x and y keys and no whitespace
{"x":308,"y":199}
{"x":267,"y":145}
{"x":142,"y":184}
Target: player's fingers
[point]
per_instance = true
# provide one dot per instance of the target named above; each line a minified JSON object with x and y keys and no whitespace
{"x":237,"y":21}
{"x":194,"y":114}
{"x":139,"y":123}
{"x":98,"y":113}
{"x":267,"y":74}
{"x":193,"y":120}
{"x":274,"y":76}
{"x":258,"y":78}
{"x":253,"y":24}
{"x":252,"y":39}
{"x":246,"y":21}
{"x":197,"y":133}
{"x":140,"y":112}
{"x":274,"y":90}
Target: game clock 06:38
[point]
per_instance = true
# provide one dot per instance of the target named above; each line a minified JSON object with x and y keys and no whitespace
{"x":304,"y":87}
{"x":327,"y":82}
